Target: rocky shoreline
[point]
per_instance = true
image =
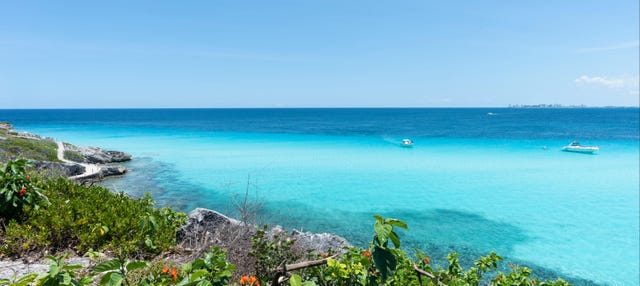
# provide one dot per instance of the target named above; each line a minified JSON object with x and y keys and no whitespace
{"x":75,"y":167}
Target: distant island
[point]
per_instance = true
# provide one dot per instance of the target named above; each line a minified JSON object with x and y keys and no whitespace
{"x":542,"y":105}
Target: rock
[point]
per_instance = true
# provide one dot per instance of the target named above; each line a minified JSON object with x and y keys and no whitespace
{"x":95,"y":155}
{"x":319,"y":242}
{"x":6,"y":125}
{"x":207,"y":223}
{"x":203,"y":220}
{"x":106,"y":171}
{"x":62,"y":168}
{"x":9,"y":268}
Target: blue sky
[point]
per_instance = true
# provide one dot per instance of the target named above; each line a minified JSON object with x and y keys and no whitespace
{"x":113,"y":54}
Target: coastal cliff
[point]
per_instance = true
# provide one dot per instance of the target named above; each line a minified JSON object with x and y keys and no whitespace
{"x":78,"y":163}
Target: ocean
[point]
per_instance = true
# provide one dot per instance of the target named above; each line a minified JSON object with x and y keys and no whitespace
{"x":476,"y":180}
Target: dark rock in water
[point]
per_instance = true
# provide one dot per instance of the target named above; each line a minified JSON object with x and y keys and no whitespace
{"x":61,"y":168}
{"x":117,"y":156}
{"x":106,"y":171}
{"x":204,"y":223}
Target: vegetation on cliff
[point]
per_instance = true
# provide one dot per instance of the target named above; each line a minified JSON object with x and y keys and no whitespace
{"x":12,"y":145}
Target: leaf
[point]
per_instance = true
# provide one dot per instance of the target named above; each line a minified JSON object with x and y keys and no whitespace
{"x":395,"y":239}
{"x":378,"y":218}
{"x":295,"y":280}
{"x":25,"y":280}
{"x":384,"y":261}
{"x":204,"y":283}
{"x":66,"y":278}
{"x":396,"y":222}
{"x":86,"y":281}
{"x":72,"y":266}
{"x":198,"y":274}
{"x":109,"y":265}
{"x":133,"y":265}
{"x":116,"y":279}
{"x":53,"y":270}
{"x":382,"y":232}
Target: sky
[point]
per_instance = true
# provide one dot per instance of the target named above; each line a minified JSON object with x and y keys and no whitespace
{"x":303,"y":53}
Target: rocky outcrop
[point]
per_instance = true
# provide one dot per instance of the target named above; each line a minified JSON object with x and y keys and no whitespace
{"x":204,"y":223}
{"x":66,"y":169}
{"x":319,"y":242}
{"x":106,"y":171}
{"x":95,"y":155}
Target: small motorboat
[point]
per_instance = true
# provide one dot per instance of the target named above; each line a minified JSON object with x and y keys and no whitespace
{"x":406,"y":143}
{"x":576,"y":147}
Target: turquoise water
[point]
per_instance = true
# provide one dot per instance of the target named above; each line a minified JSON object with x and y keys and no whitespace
{"x":565,"y":214}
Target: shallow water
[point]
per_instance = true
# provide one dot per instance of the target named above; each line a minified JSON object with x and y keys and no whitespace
{"x":472,"y":183}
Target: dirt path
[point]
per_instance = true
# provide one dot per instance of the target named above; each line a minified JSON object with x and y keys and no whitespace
{"x":89,"y":169}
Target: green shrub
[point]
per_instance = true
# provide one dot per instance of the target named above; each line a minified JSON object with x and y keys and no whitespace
{"x":17,"y":191}
{"x":81,"y":218}
{"x":73,"y":156}
{"x":270,"y":252}
{"x":34,"y":149}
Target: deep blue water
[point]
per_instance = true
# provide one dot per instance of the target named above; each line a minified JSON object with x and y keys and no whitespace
{"x":477,"y":179}
{"x":561,"y":123}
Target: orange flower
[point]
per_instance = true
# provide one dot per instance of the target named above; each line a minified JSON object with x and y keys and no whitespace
{"x":366,"y":253}
{"x":165,"y":269}
{"x":22,"y":192}
{"x":426,"y":260}
{"x":28,"y":178}
{"x":174,"y":274}
{"x":249,"y":281}
{"x":323,"y":255}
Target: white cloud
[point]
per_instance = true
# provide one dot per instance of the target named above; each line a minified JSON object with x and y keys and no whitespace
{"x":619,"y":46}
{"x":597,"y":80}
{"x":629,"y":83}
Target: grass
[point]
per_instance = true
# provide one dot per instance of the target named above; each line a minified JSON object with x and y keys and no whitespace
{"x":73,"y":156}
{"x":17,"y":147}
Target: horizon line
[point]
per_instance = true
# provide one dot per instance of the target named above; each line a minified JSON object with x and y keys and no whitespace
{"x":532,"y":106}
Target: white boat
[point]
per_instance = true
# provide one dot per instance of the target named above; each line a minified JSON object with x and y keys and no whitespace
{"x":576,"y":147}
{"x":406,"y":143}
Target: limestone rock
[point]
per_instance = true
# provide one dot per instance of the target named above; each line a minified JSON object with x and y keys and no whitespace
{"x":106,"y":171}
{"x":204,"y":223}
{"x":95,"y":155}
{"x":59,"y":168}
{"x":319,"y":242}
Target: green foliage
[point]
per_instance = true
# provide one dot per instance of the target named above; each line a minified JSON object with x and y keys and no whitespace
{"x":73,"y":156}
{"x":353,"y":268}
{"x":270,"y":252}
{"x":34,"y":149}
{"x":85,"y":218}
{"x":17,"y":191}
{"x":212,"y":269}
{"x":384,"y":257}
{"x":61,"y":273}
{"x":114,"y":272}
{"x":296,"y":280}
{"x":22,"y":281}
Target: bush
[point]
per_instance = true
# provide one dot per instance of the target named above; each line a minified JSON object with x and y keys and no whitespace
{"x":16,"y":191}
{"x":82,"y":218}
